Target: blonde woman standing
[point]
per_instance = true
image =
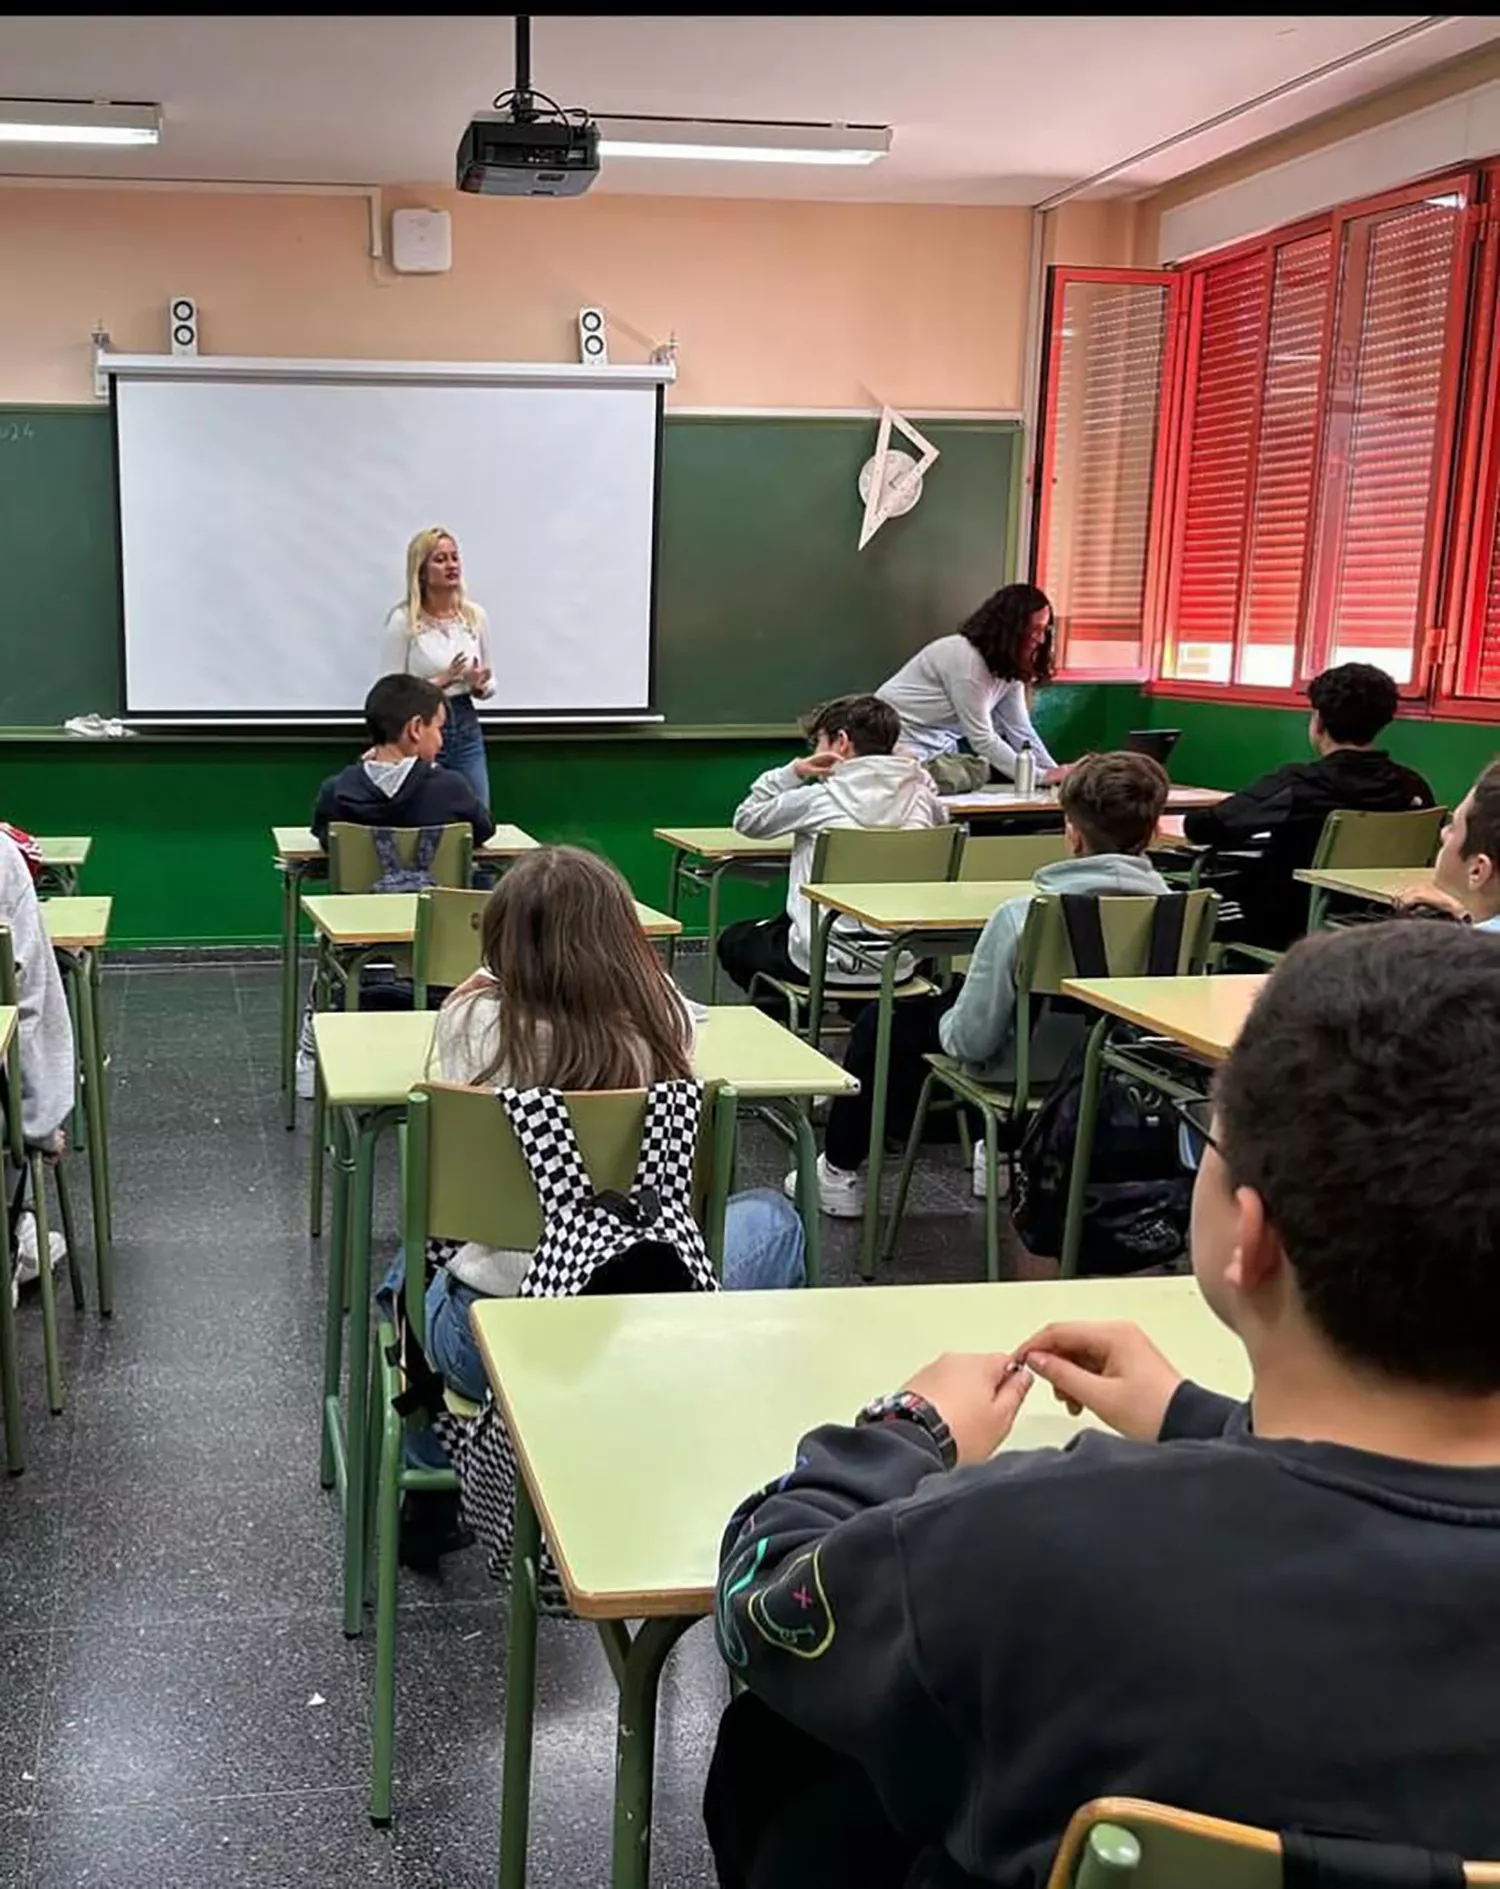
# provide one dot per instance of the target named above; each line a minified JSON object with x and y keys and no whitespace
{"x":439,"y":635}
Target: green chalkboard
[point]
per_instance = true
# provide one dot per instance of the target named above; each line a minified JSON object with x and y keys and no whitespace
{"x":764,"y":604}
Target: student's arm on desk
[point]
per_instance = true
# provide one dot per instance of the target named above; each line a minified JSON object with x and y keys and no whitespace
{"x":1237,"y":821}
{"x":782,"y":800}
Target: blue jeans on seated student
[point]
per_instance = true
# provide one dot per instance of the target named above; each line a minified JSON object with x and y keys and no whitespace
{"x":763,"y":1252}
{"x":463,"y":745}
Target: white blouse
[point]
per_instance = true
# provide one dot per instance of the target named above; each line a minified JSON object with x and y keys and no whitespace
{"x":429,"y":652}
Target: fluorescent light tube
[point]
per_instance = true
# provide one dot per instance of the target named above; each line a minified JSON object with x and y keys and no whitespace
{"x":725,"y":142}
{"x":45,"y":121}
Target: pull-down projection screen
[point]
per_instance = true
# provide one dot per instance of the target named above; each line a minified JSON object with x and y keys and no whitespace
{"x":264,"y":524}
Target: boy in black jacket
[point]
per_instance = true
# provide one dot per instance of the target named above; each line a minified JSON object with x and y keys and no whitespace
{"x":1281,"y":815}
{"x":1279,"y":1613}
{"x":397,"y":781}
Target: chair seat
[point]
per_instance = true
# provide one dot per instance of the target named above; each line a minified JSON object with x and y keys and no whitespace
{"x":852,"y":993}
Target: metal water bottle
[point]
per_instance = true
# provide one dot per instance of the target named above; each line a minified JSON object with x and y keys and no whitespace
{"x":1025,"y":770}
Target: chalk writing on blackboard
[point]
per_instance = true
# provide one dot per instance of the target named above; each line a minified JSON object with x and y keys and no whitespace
{"x":15,"y":432}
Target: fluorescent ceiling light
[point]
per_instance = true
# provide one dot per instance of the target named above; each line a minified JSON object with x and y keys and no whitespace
{"x":721,"y":140}
{"x":48,"y":121}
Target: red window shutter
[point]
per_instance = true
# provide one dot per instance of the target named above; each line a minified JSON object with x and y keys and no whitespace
{"x":1106,"y":341}
{"x":1282,"y":503}
{"x":1208,"y":564}
{"x":1388,"y":430}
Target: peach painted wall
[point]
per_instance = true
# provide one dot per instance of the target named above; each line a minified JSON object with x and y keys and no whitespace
{"x":773,"y":304}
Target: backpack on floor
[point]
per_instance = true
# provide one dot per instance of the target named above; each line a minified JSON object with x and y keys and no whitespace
{"x":396,"y":875}
{"x":1138,"y":1199}
{"x":644,"y":1240}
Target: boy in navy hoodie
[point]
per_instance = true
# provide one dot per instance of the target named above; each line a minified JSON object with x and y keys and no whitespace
{"x":396,"y":782}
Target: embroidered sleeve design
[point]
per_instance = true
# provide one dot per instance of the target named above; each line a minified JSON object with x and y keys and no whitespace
{"x":791,"y":1612}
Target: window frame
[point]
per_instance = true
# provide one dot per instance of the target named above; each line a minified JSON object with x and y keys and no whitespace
{"x":1059,"y":276}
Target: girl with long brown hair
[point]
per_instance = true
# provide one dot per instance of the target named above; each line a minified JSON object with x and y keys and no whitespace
{"x":571,"y":996}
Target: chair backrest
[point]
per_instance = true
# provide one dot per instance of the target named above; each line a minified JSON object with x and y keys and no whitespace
{"x":1045,"y":957}
{"x":1002,"y":856}
{"x":9,"y":995}
{"x":886,"y":855}
{"x":353,"y":865}
{"x":1126,"y":1843}
{"x":1351,"y":838}
{"x":445,"y":945}
{"x":467,"y":1179}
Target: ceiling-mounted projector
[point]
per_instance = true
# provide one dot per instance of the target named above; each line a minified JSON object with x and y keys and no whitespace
{"x":517,"y":151}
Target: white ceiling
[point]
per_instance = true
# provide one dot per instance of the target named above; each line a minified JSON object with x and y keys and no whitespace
{"x":984,"y":109}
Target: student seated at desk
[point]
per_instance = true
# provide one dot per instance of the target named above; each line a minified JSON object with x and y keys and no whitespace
{"x":1279,"y":1612}
{"x":1466,"y":879}
{"x":46,"y":1040}
{"x":1110,"y":805}
{"x":569,"y":996}
{"x":851,"y":779}
{"x":397,"y":782}
{"x":1281,"y":815}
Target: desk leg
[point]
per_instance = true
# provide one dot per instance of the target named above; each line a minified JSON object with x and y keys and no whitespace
{"x":635,"y":1750}
{"x":357,"y":1240}
{"x":291,"y":879}
{"x":1317,"y":908}
{"x":870,"y":1232}
{"x":674,"y":894}
{"x":338,"y":1267}
{"x":10,"y":1380}
{"x":715,"y":881}
{"x":807,"y":1192}
{"x":520,"y":1692}
{"x":319,"y":1122}
{"x":822,"y":925}
{"x":1083,"y":1150}
{"x":101,"y":1057}
{"x":93,"y":1108}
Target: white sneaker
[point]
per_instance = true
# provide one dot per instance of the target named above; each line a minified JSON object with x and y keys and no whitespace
{"x":28,"y":1264}
{"x":1002,"y":1171}
{"x":840,"y":1195}
{"x":307,"y":1075}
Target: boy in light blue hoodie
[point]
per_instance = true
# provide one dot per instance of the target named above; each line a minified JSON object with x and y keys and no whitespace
{"x":1111,"y":804}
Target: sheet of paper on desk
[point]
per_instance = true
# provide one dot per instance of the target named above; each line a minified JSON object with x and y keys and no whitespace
{"x":1002,"y":790}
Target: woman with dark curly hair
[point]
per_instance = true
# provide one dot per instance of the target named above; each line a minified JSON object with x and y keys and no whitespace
{"x":972,"y":685}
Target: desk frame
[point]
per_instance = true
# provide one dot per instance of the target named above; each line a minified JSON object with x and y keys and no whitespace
{"x":708,"y":875}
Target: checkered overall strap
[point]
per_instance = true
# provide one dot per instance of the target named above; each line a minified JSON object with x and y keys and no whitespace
{"x":669,"y":1141}
{"x":539,"y":1121}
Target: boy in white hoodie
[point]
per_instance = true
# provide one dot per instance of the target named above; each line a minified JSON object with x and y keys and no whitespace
{"x":851,"y":779}
{"x":1111,"y":804}
{"x":46,"y":1036}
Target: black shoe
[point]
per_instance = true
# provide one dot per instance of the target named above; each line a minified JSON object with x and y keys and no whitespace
{"x":431,"y":1527}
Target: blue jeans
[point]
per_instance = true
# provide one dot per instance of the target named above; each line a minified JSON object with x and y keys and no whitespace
{"x":463,"y":746}
{"x":763,"y":1245}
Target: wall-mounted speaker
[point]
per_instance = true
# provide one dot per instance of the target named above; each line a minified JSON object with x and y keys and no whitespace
{"x":182,"y":324}
{"x":593,"y":342}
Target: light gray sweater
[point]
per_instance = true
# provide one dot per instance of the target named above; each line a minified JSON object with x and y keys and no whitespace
{"x":980,"y":1028}
{"x":46,"y":1032}
{"x":946,"y":692}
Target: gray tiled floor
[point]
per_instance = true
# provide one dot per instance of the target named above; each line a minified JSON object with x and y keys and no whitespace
{"x":177,"y":1700}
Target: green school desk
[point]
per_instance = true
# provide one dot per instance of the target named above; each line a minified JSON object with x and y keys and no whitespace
{"x":300,"y":858}
{"x":942,"y":919}
{"x":368,"y":1062}
{"x":63,"y":858}
{"x":703,"y":857}
{"x":1001,"y":805}
{"x":641,"y":1423}
{"x":1380,"y":885}
{"x":10,"y":1381}
{"x":78,"y":929}
{"x":1204,"y":1015}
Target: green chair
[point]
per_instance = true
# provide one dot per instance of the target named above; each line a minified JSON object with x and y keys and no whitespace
{"x":1354,"y":840}
{"x":445,"y":949}
{"x":466,"y":1179}
{"x":862,"y":855}
{"x":1001,"y":857}
{"x":34,"y":1165}
{"x":1043,"y":962}
{"x":1126,"y":1843}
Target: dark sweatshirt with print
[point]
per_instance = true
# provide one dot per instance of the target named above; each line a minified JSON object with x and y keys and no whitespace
{"x":1289,"y":1634}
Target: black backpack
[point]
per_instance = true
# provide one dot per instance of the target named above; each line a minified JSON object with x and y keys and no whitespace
{"x":1138,"y":1198}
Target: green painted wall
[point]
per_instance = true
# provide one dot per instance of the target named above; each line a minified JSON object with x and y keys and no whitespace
{"x":181,"y":827}
{"x":1227,"y":744}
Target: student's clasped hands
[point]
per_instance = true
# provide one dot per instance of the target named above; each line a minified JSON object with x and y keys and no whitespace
{"x":1112,"y":1370}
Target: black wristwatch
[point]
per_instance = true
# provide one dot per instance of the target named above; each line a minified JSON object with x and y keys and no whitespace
{"x":909,"y":1407}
